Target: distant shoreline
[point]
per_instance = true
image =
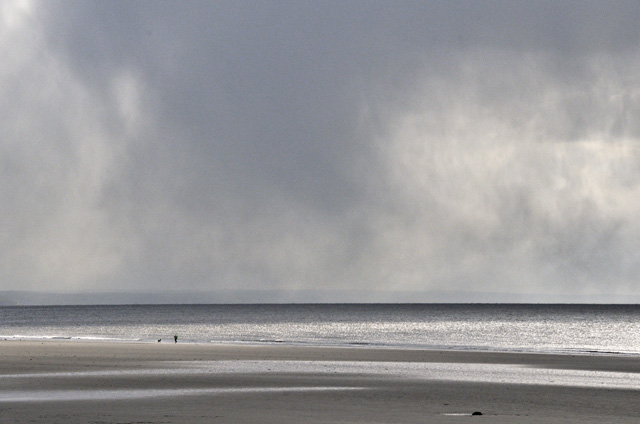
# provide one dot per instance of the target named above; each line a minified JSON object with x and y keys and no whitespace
{"x":309,"y":296}
{"x":257,"y":344}
{"x":225,"y":350}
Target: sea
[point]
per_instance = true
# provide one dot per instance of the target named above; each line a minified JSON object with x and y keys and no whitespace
{"x":535,"y":328}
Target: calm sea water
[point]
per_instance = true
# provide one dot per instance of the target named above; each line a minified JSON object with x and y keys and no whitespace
{"x":607,"y":329}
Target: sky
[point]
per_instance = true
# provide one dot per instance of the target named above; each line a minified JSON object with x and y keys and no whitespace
{"x":361,"y":150}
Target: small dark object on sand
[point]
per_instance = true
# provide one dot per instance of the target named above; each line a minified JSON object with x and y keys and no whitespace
{"x":175,"y":338}
{"x":159,"y":340}
{"x":477,"y":413}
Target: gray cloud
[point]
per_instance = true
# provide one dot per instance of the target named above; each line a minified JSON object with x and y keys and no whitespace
{"x":431,"y":146}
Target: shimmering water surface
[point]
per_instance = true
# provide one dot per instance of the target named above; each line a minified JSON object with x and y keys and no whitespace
{"x":609,"y":329}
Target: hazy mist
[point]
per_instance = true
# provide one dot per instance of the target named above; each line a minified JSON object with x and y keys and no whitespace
{"x":321,"y":150}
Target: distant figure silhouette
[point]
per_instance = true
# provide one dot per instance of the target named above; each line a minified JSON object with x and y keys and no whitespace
{"x":175,"y":338}
{"x":159,"y":340}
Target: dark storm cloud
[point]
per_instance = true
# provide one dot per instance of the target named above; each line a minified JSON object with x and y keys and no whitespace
{"x":486,"y":146}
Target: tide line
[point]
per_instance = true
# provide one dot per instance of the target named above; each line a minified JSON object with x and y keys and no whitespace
{"x":86,"y":395}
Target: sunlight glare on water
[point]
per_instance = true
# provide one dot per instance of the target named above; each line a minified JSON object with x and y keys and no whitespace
{"x":530,"y":328}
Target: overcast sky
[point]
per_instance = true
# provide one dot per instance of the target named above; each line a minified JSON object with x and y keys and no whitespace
{"x":460,"y":147}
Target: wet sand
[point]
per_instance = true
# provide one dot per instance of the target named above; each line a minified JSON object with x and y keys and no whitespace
{"x":85,"y":382}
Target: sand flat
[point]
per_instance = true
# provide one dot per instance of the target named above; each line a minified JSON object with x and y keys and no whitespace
{"x":97,"y":382}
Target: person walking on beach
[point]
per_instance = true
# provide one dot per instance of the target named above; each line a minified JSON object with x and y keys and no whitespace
{"x":175,"y":338}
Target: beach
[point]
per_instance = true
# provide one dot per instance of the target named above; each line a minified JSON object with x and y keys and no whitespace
{"x":103,"y":382}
